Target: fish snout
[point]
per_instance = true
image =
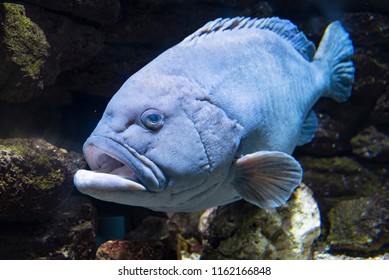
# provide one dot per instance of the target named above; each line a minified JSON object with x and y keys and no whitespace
{"x":110,"y":157}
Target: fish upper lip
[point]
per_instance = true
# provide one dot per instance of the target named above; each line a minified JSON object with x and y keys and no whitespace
{"x":107,"y":155}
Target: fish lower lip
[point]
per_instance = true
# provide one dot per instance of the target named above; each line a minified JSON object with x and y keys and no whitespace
{"x":95,"y":180}
{"x":107,"y":156}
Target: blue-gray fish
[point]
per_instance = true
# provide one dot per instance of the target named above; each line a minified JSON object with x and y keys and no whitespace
{"x":215,"y":118}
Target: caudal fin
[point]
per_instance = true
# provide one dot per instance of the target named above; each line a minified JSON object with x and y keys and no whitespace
{"x":335,"y":51}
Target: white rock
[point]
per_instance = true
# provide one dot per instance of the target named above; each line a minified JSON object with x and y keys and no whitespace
{"x":244,"y":231}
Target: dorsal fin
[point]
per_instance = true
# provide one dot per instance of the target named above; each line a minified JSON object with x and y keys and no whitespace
{"x":281,"y":27}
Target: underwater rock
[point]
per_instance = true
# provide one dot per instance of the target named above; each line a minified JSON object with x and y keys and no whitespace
{"x":153,"y":230}
{"x":335,"y":178}
{"x":146,"y":29}
{"x":370,"y":83}
{"x":360,"y":224}
{"x":367,"y":29}
{"x":185,"y":227}
{"x":68,"y":234}
{"x":128,"y":250}
{"x":72,"y":43}
{"x":159,"y":233}
{"x":185,"y":223}
{"x":24,"y":50}
{"x":36,"y":178}
{"x":371,"y":144}
{"x":106,"y":72}
{"x":244,"y":231}
{"x":38,"y":45}
{"x":322,"y":251}
{"x":339,"y":176}
{"x":177,"y":234}
{"x":380,"y":113}
{"x":189,"y":248}
{"x":100,"y":11}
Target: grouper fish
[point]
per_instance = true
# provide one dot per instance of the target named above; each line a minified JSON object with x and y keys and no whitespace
{"x":215,"y":118}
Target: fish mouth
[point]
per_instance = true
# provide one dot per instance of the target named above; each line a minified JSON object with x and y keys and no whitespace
{"x":118,"y":166}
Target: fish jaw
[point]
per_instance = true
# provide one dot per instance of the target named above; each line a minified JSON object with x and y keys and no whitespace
{"x":89,"y":181}
{"x":116,"y":166}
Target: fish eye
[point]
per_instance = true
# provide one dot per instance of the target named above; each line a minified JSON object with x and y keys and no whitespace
{"x":152,"y":119}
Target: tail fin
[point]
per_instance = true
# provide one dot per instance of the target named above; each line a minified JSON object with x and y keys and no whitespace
{"x":335,"y":50}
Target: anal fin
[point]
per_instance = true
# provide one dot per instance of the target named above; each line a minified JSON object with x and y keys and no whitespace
{"x":308,"y":129}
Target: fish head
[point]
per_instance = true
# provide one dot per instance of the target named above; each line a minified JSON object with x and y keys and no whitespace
{"x":160,"y":144}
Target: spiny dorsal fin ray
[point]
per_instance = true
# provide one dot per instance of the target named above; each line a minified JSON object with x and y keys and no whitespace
{"x":281,"y":27}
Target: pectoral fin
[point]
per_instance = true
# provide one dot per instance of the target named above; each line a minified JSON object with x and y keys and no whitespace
{"x":267,"y":179}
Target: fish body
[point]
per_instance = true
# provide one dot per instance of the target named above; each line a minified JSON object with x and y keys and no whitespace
{"x":215,"y":118}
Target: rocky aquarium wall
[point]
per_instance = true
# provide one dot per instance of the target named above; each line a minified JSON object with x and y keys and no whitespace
{"x":61,"y":61}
